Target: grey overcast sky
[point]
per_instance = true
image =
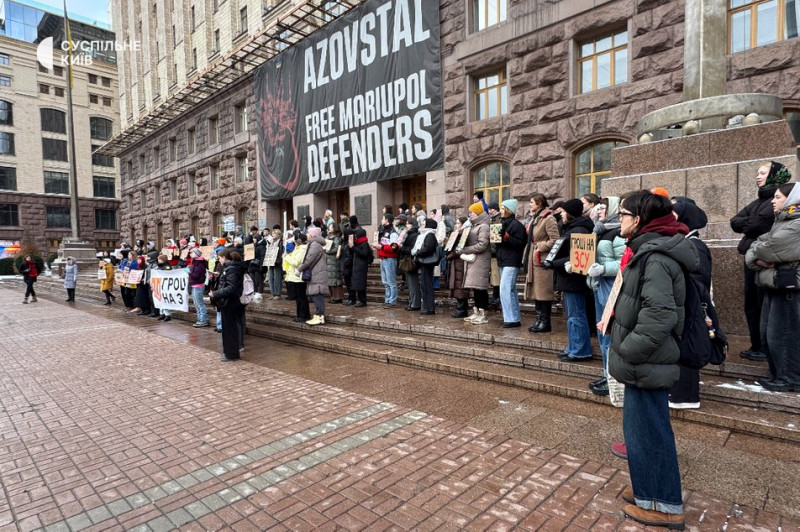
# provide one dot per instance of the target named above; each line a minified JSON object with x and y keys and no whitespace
{"x":96,"y":10}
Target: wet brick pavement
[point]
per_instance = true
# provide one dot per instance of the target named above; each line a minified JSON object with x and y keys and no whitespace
{"x":106,"y":426}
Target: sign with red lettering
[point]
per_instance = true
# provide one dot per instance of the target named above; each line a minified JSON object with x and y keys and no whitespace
{"x":581,"y":252}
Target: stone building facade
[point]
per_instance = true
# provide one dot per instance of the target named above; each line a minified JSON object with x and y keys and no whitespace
{"x":34,"y":166}
{"x":551,"y":124}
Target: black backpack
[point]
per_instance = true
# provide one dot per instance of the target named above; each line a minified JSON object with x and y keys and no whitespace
{"x":702,"y":342}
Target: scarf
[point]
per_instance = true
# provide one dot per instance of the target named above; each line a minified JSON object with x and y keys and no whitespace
{"x":361,"y":240}
{"x":666,"y":225}
{"x":778,"y":175}
{"x":420,"y":239}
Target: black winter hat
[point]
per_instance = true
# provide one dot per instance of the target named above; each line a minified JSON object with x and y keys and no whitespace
{"x":690,"y":214}
{"x":573,"y":207}
{"x":353,"y":221}
{"x":389,"y":217}
{"x":430,"y":223}
{"x":494,"y":205}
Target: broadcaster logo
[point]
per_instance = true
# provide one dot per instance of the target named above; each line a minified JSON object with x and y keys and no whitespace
{"x":83,"y":51}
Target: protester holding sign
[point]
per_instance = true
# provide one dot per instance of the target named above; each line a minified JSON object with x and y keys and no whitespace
{"x":455,"y":279}
{"x":226,"y":298}
{"x":477,"y":257}
{"x":274,"y":260}
{"x":543,"y":233}
{"x":197,"y":282}
{"x":105,"y":272}
{"x":163,"y":264}
{"x":573,"y":285}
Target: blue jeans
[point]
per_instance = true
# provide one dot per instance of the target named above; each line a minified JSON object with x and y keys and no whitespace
{"x":600,"y":299}
{"x":509,"y":299}
{"x":275,"y":280}
{"x":578,"y":343}
{"x":197,"y":298}
{"x":389,"y":280}
{"x":652,"y":458}
{"x":219,"y":320}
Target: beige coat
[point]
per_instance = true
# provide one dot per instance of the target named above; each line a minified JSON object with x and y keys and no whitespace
{"x":476,"y":274}
{"x":538,"y":281}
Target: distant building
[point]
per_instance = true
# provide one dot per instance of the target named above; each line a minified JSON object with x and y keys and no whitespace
{"x":34,"y":156}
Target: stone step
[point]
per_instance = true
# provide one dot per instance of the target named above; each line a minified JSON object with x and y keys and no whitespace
{"x":497,"y":357}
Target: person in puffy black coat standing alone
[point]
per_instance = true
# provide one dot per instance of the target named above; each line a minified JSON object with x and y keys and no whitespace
{"x":226,"y":298}
{"x":753,"y":221}
{"x":509,"y":254}
{"x":573,"y":285}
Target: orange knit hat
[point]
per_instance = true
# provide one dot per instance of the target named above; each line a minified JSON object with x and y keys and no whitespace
{"x":477,"y":208}
{"x":660,"y":192}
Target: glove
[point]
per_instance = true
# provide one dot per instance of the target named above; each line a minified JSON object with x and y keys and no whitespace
{"x":505,"y":237}
{"x":596,"y":270}
{"x":459,"y":250}
{"x":546,"y":264}
{"x":568,"y":267}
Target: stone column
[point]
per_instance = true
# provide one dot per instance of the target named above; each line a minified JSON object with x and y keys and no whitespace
{"x":705,"y":46}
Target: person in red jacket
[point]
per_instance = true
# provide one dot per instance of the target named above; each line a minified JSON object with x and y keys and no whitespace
{"x":387,"y":251}
{"x":29,"y":275}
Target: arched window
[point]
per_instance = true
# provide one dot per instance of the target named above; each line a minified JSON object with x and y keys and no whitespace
{"x":243,"y":219}
{"x":176,"y":230}
{"x":144,"y":235}
{"x":6,"y":113}
{"x":160,"y":235}
{"x":216,"y":224}
{"x":592,"y":165}
{"x":195,"y":228}
{"x":493,"y":178}
{"x":53,"y":120}
{"x":100,"y":128}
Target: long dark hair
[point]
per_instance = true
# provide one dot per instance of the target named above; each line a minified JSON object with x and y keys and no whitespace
{"x":647,"y":206}
{"x":786,"y":189}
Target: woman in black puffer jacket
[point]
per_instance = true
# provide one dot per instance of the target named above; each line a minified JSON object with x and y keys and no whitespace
{"x":226,"y":298}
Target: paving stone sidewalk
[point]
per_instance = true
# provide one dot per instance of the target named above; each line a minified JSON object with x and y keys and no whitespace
{"x":106,"y":427}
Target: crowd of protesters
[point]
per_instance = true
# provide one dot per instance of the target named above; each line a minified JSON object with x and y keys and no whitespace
{"x":646,"y":244}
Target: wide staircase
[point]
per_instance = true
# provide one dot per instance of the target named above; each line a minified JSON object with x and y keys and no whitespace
{"x":730,"y":400}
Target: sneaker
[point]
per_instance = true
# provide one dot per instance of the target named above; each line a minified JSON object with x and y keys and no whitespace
{"x":683,"y":406}
{"x":600,"y":389}
{"x":389,"y":305}
{"x":200,"y":324}
{"x":655,"y":518}
{"x":758,"y":356}
{"x":620,"y":450}
{"x":781,"y":385}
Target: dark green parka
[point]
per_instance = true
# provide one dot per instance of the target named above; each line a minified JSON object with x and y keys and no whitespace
{"x":643,"y":351}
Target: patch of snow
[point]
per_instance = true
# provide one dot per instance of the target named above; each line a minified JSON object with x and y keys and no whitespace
{"x":791,"y":426}
{"x":741,"y":385}
{"x":502,"y":401}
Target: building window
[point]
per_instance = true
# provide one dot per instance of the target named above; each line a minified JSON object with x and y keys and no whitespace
{"x":216,"y":48}
{"x":240,"y":117}
{"x":6,"y":113}
{"x":8,"y":178}
{"x":217,"y":225}
{"x":101,"y":160}
{"x":92,"y":98}
{"x":493,"y":179}
{"x":487,"y":13}
{"x":93,"y":79}
{"x":243,"y":217}
{"x":173,"y":189}
{"x":106,"y":101}
{"x":100,"y":128}
{"x":176,"y":229}
{"x":4,"y":60}
{"x":213,"y":177}
{"x":491,"y":95}
{"x":194,"y":58}
{"x":192,"y":182}
{"x":215,"y":5}
{"x":105,"y":219}
{"x":194,"y":18}
{"x":603,"y":62}
{"x":754,"y":23}
{"x":592,"y":165}
{"x":142,"y":164}
{"x":142,"y":199}
{"x":213,"y":130}
{"x":9,"y":214}
{"x":5,"y":81}
{"x":173,"y":150}
{"x":157,"y":195}
{"x":191,"y":138}
{"x":103,"y":187}
{"x":56,"y":182}
{"x":58,"y":71}
{"x":54,"y":150}
{"x":6,"y":143}
{"x":53,"y":120}
{"x":57,"y":217}
{"x":195,"y":228}
{"x":332,"y":10}
{"x":243,"y":20}
{"x":793,"y":117}
{"x":43,"y":69}
{"x":130,"y":204}
{"x":106,"y":81}
{"x":241,"y":169}
{"x":58,"y":91}
{"x":156,"y":157}
{"x":44,"y":89}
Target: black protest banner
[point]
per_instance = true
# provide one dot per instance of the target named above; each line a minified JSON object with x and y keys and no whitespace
{"x":356,"y":102}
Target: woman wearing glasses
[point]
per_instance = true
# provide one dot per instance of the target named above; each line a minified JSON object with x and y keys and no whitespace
{"x":643,"y":354}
